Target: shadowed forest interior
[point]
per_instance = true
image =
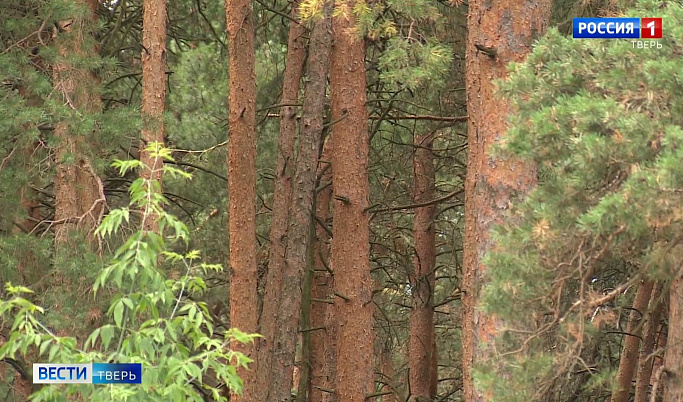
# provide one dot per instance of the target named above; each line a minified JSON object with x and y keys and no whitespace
{"x":342,"y":200}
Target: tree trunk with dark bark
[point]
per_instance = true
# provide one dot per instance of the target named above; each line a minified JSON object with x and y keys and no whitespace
{"x":301,"y":210}
{"x":294,"y":65}
{"x":422,"y":280}
{"x":153,"y":92}
{"x":506,"y":29}
{"x":645,"y":358}
{"x":629,"y":353}
{"x":242,"y":184}
{"x":388,"y":374}
{"x":350,"y":244}
{"x":323,"y":341}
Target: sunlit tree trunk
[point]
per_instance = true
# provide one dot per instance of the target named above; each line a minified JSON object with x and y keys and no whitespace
{"x":498,"y":32}
{"x":301,"y":210}
{"x":153,"y":91}
{"x":294,"y":65}
{"x":422,"y":279}
{"x":242,"y":183}
{"x":350,"y":244}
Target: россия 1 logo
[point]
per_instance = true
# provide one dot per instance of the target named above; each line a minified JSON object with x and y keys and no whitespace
{"x":617,"y":28}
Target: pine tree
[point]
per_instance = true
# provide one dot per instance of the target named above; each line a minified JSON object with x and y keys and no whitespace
{"x":323,"y":321}
{"x":79,"y":198}
{"x":242,"y":181}
{"x":153,"y":89}
{"x":422,"y":340}
{"x":350,"y":260}
{"x":301,"y":208}
{"x":493,"y":184}
{"x":604,"y":218}
{"x":282,"y":189}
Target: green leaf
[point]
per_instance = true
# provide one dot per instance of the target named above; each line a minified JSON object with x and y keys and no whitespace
{"x":53,"y":352}
{"x":194,"y":371}
{"x":107,"y":334}
{"x":128,"y":302}
{"x":118,"y":313}
{"x":44,"y":346}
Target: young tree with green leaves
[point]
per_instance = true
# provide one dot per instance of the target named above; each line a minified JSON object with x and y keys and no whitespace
{"x":155,"y":319}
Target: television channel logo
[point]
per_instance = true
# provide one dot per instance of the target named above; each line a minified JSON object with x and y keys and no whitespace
{"x":617,"y":28}
{"x":93,"y":373}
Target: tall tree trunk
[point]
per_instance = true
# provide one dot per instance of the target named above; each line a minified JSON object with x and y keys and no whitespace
{"x":301,"y":209}
{"x":27,"y":270}
{"x":78,"y":201}
{"x":242,"y":184}
{"x":422,"y":281}
{"x":294,"y":66}
{"x":78,"y":192}
{"x":658,"y":359}
{"x":434,"y":370}
{"x":645,"y":358}
{"x":302,"y":384}
{"x":673,"y":363}
{"x":498,"y":32}
{"x":387,"y":367}
{"x":629,"y":353}
{"x":153,"y":91}
{"x":323,"y":341}
{"x":350,"y":244}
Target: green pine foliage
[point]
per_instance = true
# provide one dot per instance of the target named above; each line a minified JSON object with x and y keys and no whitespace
{"x":603,"y":120}
{"x":154,"y":316}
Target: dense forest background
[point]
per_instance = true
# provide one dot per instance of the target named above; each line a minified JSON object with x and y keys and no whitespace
{"x":408,"y":200}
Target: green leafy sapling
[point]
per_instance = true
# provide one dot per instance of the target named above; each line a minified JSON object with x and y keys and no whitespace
{"x":154,"y":319}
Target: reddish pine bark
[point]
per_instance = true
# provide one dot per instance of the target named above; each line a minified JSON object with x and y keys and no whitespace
{"x":281,"y":198}
{"x":660,"y":345}
{"x":645,"y":359}
{"x":350,"y":244}
{"x":27,"y":270}
{"x":78,"y":197}
{"x":153,"y":91}
{"x":301,"y":211}
{"x":78,"y":193}
{"x":242,"y":183}
{"x":323,"y":341}
{"x":434,"y":370}
{"x":629,"y":353}
{"x":387,"y":368}
{"x":422,"y":279}
{"x":506,"y":27}
{"x":673,"y":363}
